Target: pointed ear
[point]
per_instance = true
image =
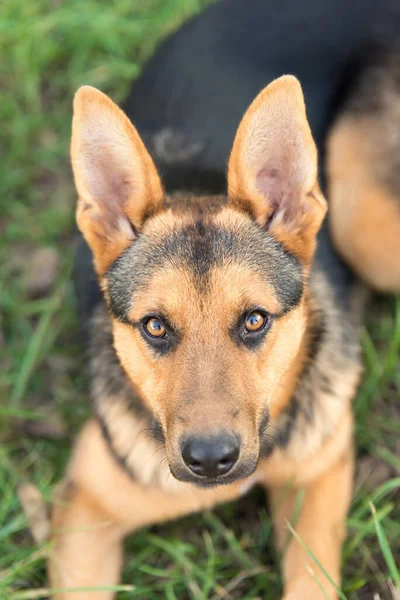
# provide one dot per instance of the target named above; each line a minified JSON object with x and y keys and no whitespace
{"x":272,"y":169}
{"x":116,"y":180}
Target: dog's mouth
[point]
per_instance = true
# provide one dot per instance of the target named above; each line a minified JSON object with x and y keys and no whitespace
{"x":243,"y":469}
{"x":211,"y":460}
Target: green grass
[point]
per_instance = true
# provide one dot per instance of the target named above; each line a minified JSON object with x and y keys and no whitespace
{"x":48,"y":49}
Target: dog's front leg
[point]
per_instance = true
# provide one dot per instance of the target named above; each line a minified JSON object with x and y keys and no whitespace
{"x":96,"y":506}
{"x":86,"y":547}
{"x":321,"y":527}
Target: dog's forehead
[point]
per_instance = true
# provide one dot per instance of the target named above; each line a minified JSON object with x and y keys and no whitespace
{"x":202,"y":248}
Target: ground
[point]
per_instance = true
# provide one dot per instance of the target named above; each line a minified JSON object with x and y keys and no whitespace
{"x":48,"y":49}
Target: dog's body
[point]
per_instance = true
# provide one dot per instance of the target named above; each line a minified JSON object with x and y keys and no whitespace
{"x":274,"y":383}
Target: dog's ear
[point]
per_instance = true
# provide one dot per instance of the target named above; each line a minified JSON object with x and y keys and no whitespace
{"x":116,"y":180}
{"x":273,"y":167}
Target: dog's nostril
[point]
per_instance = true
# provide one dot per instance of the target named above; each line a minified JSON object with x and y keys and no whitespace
{"x":194,"y":465}
{"x":211,"y":456}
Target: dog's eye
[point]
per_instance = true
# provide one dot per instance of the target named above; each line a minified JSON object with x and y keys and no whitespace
{"x":158,"y":333}
{"x":155,"y":327}
{"x":253,"y":327}
{"x":255,"y":321}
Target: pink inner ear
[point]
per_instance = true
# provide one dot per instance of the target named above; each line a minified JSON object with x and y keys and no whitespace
{"x":108,"y":181}
{"x":111,"y":186}
{"x":275,"y":185}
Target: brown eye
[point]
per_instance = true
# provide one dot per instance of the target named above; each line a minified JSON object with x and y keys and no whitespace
{"x":255,"y":321}
{"x":155,"y":327}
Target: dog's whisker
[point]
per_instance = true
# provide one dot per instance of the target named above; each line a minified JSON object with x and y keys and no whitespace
{"x":155,"y":452}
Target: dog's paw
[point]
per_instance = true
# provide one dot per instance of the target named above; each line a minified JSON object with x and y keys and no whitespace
{"x":301,"y":594}
{"x":309,"y":590}
{"x":305,"y":594}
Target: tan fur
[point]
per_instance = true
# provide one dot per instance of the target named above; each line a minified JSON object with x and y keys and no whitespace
{"x":364,"y":211}
{"x":321,"y":527}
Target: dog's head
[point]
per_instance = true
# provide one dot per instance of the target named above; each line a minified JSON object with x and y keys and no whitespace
{"x":207,"y":295}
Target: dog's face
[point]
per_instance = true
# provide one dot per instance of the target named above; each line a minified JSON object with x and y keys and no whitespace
{"x":207,"y":295}
{"x":208,"y":316}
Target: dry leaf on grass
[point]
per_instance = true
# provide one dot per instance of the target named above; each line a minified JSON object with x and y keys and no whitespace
{"x":49,"y":430}
{"x":395,"y":591}
{"x":42,"y":271}
{"x":35,"y":510}
{"x":371,"y":472}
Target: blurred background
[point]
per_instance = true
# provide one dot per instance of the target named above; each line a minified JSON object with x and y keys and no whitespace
{"x":48,"y":48}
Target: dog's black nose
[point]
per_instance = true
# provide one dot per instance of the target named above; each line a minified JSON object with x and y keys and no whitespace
{"x":211,"y":456}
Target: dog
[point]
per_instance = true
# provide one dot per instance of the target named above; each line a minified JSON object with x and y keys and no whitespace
{"x":223,"y":318}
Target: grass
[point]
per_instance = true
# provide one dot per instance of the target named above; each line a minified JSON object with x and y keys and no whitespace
{"x":48,"y":49}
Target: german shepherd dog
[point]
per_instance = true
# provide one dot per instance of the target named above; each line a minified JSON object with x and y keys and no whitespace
{"x":227,"y":324}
